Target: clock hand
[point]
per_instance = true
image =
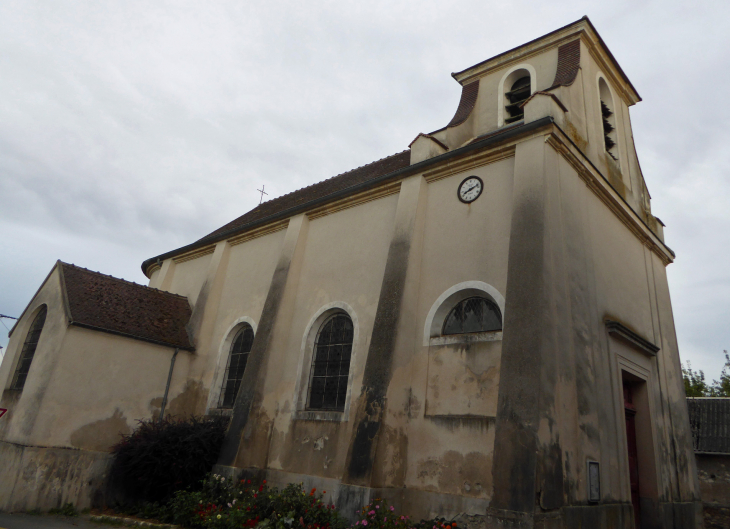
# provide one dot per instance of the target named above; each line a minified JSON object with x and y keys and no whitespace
{"x":472,"y":187}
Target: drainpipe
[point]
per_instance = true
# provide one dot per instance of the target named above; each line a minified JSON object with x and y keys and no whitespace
{"x":167,"y":387}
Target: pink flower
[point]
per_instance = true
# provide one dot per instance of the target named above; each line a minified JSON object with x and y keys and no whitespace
{"x":364,"y":522}
{"x":371,"y":513}
{"x":357,"y":522}
{"x":377,"y":506}
{"x":385,"y":519}
{"x":392,"y":508}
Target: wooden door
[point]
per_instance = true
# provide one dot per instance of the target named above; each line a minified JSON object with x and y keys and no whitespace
{"x":630,"y":412}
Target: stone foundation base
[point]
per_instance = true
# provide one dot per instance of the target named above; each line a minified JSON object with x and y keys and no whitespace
{"x":34,"y":477}
{"x":474,"y":513}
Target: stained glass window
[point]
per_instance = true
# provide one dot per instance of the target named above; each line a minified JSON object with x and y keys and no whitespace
{"x":28,"y":351}
{"x":240,"y":350}
{"x":331,"y":364}
{"x":473,"y":315}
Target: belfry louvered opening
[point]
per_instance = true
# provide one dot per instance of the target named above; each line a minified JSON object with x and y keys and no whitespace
{"x":608,"y":128}
{"x":237,"y":360}
{"x":330,"y":369}
{"x":518,"y":94}
{"x":608,"y":119}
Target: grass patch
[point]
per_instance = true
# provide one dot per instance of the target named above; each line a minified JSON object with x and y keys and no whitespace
{"x":66,"y":510}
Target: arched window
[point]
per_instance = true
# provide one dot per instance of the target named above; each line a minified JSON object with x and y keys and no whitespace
{"x":475,"y":314}
{"x":518,"y":94}
{"x":609,"y":119}
{"x":240,"y":349}
{"x":331,"y":364}
{"x":29,"y":347}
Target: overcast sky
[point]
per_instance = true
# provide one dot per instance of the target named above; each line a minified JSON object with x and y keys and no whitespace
{"x":131,"y":128}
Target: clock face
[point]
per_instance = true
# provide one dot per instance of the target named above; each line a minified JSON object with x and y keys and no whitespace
{"x":470,"y":189}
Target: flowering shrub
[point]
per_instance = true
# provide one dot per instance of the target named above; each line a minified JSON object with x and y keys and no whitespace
{"x":380,"y":515}
{"x":223,"y":504}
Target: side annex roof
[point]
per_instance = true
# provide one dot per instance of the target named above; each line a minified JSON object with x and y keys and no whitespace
{"x":108,"y":304}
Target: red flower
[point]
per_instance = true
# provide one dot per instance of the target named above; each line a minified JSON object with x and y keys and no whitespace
{"x":264,"y":482}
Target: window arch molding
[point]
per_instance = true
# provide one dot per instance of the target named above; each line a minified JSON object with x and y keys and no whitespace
{"x":222,"y":360}
{"x":448,"y":300}
{"x":509,"y":77}
{"x":301,"y":392}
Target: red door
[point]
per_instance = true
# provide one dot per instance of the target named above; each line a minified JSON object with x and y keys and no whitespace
{"x":630,"y":411}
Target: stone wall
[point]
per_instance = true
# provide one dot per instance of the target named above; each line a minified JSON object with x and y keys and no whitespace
{"x":45,"y":478}
{"x":714,"y":476}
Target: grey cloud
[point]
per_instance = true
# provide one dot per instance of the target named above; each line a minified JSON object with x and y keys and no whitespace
{"x":130,"y":129}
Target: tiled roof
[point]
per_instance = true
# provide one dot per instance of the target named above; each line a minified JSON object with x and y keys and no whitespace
{"x":568,"y":63}
{"x":316,"y":191}
{"x":108,"y":304}
{"x":468,"y":99}
{"x":709,"y":420}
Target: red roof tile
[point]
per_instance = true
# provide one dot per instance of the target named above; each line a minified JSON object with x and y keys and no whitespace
{"x":108,"y":304}
{"x":468,"y":99}
{"x":568,"y":64}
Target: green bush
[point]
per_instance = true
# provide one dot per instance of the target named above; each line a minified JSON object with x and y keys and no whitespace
{"x":223,"y":504}
{"x":162,"y":457}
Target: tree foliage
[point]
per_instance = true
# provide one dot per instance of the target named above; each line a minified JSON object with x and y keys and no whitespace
{"x":695,"y":384}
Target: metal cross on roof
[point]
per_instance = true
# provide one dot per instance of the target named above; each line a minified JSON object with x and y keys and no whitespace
{"x":262,"y":194}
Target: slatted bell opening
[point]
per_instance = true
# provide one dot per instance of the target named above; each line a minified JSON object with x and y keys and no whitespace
{"x":608,"y":129}
{"x":518,"y":94}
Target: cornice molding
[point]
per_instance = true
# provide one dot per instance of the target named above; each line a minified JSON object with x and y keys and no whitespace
{"x":391,"y":188}
{"x":153,"y":267}
{"x":607,"y":65}
{"x":259,"y":232}
{"x":588,"y":36}
{"x":620,"y":330}
{"x":189,"y":256}
{"x":597,"y":183}
{"x":501,"y":62}
{"x":451,"y":167}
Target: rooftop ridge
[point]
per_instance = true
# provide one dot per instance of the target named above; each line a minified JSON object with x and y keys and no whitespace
{"x":298,"y":194}
{"x":333,"y":177}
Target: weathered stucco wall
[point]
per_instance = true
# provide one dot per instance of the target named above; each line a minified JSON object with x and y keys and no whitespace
{"x":84,"y":390}
{"x":46,"y":478}
{"x":502,"y":424}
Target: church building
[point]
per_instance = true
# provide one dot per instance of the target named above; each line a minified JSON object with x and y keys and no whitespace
{"x":478,"y":327}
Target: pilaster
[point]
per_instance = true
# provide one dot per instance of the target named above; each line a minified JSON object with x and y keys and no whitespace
{"x":244,"y":428}
{"x":391,"y":319}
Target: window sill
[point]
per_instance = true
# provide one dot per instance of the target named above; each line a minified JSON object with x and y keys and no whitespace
{"x":466,"y":338}
{"x":312,"y":415}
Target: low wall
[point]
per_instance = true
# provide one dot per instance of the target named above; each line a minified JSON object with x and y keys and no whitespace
{"x":33,"y":477}
{"x":713,"y":471}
